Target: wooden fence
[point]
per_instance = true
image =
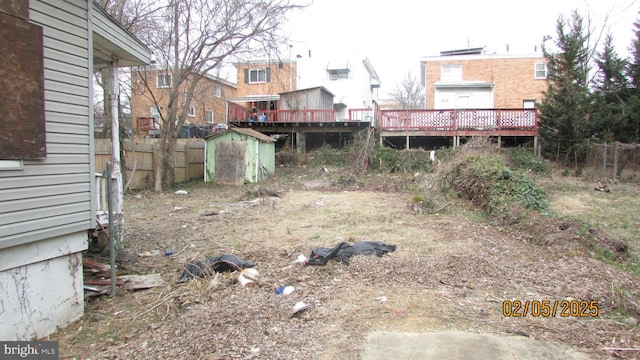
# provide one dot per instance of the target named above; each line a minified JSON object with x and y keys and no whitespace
{"x":141,"y":155}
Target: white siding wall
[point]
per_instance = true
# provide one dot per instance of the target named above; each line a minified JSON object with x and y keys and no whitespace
{"x":53,"y":197}
{"x":355,"y":92}
{"x":45,"y":208}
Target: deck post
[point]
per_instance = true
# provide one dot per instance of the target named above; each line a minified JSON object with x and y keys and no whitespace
{"x":535,"y":145}
{"x":301,"y":142}
{"x":407,"y":145}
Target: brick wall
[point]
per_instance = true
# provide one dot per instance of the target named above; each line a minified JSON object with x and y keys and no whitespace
{"x":513,"y":78}
{"x":204,"y":98}
{"x":282,"y":77}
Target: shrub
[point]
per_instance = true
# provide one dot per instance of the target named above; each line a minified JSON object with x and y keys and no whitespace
{"x":501,"y":192}
{"x":524,"y":159}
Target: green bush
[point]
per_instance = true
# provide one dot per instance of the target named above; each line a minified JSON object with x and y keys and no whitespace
{"x":500,"y":191}
{"x":524,"y":159}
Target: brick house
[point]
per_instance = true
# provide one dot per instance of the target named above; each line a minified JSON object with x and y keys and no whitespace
{"x":261,"y":82}
{"x":208,"y":105}
{"x":471,"y":78}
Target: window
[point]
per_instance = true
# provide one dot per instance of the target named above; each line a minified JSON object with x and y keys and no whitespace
{"x":23,"y":135}
{"x":155,"y":111}
{"x":450,"y":73}
{"x":163,"y":80}
{"x":335,"y":74}
{"x":541,"y":70}
{"x":217,"y":91}
{"x":528,"y":104}
{"x":208,"y":114}
{"x":257,"y":76}
{"x":191,"y":112}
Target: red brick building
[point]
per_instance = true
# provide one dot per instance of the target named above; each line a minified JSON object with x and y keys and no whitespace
{"x":472,"y":79}
{"x":208,"y":105}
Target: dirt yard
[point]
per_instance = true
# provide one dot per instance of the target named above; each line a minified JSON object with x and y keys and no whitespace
{"x":450,"y":271}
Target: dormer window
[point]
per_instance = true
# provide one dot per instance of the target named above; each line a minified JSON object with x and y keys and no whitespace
{"x":335,"y":74}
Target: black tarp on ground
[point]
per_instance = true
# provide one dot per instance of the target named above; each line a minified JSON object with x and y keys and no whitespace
{"x":344,"y":251}
{"x":220,"y":263}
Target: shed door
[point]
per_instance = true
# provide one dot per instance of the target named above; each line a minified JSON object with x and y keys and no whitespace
{"x":230,"y":162}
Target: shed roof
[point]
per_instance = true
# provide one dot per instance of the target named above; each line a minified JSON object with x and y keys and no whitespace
{"x":244,"y":131}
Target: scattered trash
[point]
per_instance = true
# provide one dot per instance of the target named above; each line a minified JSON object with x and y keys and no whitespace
{"x":177,"y":208}
{"x":220,"y":263}
{"x":343,"y":251}
{"x":301,"y":259}
{"x":181,"y":192}
{"x":382,"y":299}
{"x":298,"y":307}
{"x":139,"y":197}
{"x":248,"y":276}
{"x":137,"y":282}
{"x":285,"y":290}
{"x":168,"y":253}
{"x":601,"y":187}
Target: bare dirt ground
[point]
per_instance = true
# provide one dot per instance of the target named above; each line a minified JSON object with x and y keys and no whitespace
{"x":451,"y":270}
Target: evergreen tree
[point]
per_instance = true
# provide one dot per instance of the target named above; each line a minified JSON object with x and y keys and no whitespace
{"x":564,"y":109}
{"x":609,"y":99}
{"x":633,"y":72}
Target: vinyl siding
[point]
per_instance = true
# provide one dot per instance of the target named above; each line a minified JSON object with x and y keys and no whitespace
{"x":52,"y":197}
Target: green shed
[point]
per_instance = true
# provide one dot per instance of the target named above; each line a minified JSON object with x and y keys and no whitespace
{"x":238,"y":156}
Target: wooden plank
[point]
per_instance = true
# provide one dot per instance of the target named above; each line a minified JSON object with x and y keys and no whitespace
{"x":137,"y":282}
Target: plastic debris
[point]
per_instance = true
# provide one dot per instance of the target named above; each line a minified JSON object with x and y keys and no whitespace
{"x":248,"y":276}
{"x":220,"y":263}
{"x":343,"y":251}
{"x":301,"y":259}
{"x":285,"y":290}
{"x":382,"y":299}
{"x":298,"y":307}
{"x":181,"y":192}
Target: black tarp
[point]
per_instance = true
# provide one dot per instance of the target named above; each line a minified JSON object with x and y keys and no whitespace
{"x":344,"y":251}
{"x":220,"y":263}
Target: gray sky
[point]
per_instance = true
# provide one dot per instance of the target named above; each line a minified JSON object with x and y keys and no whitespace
{"x":394,"y":35}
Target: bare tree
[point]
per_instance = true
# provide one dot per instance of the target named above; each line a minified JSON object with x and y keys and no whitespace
{"x":409,"y":93}
{"x":195,"y":37}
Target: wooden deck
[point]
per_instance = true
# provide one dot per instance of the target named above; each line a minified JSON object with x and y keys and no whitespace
{"x":459,"y":122}
{"x":455,"y":122}
{"x":399,"y":128}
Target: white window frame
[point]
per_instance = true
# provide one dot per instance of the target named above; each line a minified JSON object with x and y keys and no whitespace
{"x":191,"y":112}
{"x":11,"y":165}
{"x":337,"y":74}
{"x":208,"y":119}
{"x":156,"y":113}
{"x":217,"y":91}
{"x":536,"y":71}
{"x":163,"y":80}
{"x":260,"y":76}
{"x":529,"y":104}
{"x":450,"y":72}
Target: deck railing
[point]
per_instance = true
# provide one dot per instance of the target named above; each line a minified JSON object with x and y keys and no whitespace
{"x":459,"y":119}
{"x":240,"y":113}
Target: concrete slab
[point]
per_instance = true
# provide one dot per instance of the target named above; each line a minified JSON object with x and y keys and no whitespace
{"x":458,"y":345}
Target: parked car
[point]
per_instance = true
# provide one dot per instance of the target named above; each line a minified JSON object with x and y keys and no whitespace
{"x":221,"y":126}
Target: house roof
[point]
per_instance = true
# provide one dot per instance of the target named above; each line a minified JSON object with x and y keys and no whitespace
{"x":307,"y":89}
{"x":482,"y":56}
{"x":111,"y":39}
{"x":252,"y":98}
{"x":244,"y":131}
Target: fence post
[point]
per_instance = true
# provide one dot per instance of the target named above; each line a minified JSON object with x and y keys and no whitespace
{"x":604,"y":160}
{"x":615,"y":161}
